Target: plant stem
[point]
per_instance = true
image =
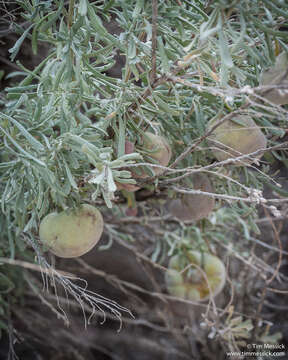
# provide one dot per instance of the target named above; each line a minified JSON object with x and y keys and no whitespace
{"x":70,"y":13}
{"x":154,"y":39}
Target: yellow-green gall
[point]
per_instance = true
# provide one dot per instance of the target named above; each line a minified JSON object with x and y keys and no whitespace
{"x":195,"y":283}
{"x":276,"y":75}
{"x":236,"y":137}
{"x":193,"y":207}
{"x":158,"y":149}
{"x":73,"y":232}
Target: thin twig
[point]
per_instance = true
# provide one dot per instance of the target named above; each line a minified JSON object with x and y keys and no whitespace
{"x":280,"y":248}
{"x":115,"y":279}
{"x":135,"y":322}
{"x":44,"y":300}
{"x":9,"y":63}
{"x":35,"y":267}
{"x":189,"y":171}
{"x":154,"y":39}
{"x":285,"y":292}
{"x":214,"y":195}
{"x":161,"y":80}
{"x":268,"y":281}
{"x":70,"y":13}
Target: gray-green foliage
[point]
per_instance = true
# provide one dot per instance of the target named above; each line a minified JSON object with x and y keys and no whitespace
{"x":63,"y":126}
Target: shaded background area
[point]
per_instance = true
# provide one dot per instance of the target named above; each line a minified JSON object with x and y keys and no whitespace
{"x":11,"y":25}
{"x":162,"y":328}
